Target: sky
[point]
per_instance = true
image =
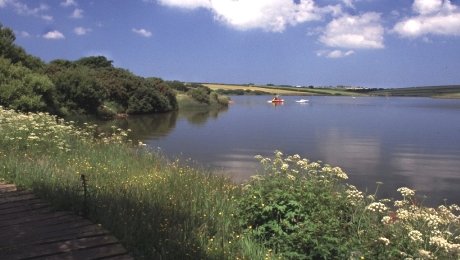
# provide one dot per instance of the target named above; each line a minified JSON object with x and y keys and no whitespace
{"x":367,"y":43}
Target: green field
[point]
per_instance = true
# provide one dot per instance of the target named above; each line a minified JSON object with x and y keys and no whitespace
{"x":451,"y":91}
{"x":283,"y":90}
{"x":448,"y":91}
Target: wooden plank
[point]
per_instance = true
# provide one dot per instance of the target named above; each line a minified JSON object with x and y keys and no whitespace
{"x":4,"y":200}
{"x":24,"y":208}
{"x":23,"y":219}
{"x":14,"y":193}
{"x":19,"y":203}
{"x":7,"y":187}
{"x":53,"y":248}
{"x":30,"y":228}
{"x":104,"y":252}
{"x":48,"y":234}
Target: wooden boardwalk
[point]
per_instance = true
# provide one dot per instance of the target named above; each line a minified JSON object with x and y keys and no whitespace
{"x":31,"y":229}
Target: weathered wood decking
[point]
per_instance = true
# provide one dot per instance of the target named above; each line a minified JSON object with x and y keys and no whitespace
{"x":31,"y":229}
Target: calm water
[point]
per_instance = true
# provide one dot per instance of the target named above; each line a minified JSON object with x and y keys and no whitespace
{"x":413,"y":142}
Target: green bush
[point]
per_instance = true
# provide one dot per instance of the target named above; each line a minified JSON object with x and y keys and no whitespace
{"x":302,"y":210}
{"x":297,"y":208}
{"x":24,"y":90}
{"x":200,"y":94}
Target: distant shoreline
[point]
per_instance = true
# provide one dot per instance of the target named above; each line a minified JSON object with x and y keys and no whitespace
{"x":449,"y":91}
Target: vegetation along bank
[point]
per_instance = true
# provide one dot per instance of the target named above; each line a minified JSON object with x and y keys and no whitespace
{"x":90,"y":85}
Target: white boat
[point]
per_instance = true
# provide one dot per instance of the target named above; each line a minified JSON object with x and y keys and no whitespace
{"x":302,"y":101}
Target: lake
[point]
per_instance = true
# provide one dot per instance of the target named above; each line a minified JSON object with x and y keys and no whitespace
{"x":412,"y":142}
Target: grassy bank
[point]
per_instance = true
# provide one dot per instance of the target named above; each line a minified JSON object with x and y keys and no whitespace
{"x":166,"y":209}
{"x":158,"y":208}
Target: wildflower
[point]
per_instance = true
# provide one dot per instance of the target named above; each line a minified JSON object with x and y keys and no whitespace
{"x":403,"y":214}
{"x":454,"y":207}
{"x":291,"y":177}
{"x":284,"y":167}
{"x":415,"y":236}
{"x":377,"y":207}
{"x":425,"y":254}
{"x":339,"y":173}
{"x":400,"y":203}
{"x":384,"y":240}
{"x":354,"y":195}
{"x":386,"y":220}
{"x":440,"y":242}
{"x":406,"y":192}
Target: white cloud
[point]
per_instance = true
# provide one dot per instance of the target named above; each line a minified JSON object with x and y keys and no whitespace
{"x":426,"y":6}
{"x":81,"y":30}
{"x":269,"y":15}
{"x":54,"y":35}
{"x":24,"y":34}
{"x":348,"y":3}
{"x":189,"y":4}
{"x":77,"y":13}
{"x":142,"y":32}
{"x":354,"y":32}
{"x":68,"y":3}
{"x":334,"y":54}
{"x":24,"y":9}
{"x":438,"y":17}
{"x":48,"y":18}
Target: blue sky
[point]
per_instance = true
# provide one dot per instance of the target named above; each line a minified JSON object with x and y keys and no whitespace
{"x":370,"y":43}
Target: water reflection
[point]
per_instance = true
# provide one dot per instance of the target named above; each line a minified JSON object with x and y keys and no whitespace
{"x":411,"y":142}
{"x":201,"y":116}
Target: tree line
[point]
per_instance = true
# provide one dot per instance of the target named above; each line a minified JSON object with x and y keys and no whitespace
{"x":89,"y":85}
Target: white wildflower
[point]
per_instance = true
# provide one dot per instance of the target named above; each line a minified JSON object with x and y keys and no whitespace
{"x":377,"y":207}
{"x":386,"y":220}
{"x":384,"y":240}
{"x":406,"y":192}
{"x":415,"y":236}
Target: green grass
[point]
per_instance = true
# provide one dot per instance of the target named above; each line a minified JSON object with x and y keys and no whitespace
{"x":452,"y":91}
{"x":166,"y":209}
{"x":158,"y":208}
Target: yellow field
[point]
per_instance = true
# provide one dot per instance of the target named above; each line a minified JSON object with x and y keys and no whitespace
{"x":287,"y":91}
{"x":270,"y":90}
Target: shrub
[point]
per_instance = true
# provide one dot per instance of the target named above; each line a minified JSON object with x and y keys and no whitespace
{"x":297,"y":208}
{"x":200,"y":94}
{"x":302,"y":210}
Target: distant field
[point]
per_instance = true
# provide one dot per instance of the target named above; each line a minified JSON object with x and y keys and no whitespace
{"x":452,"y":91}
{"x":277,"y":90}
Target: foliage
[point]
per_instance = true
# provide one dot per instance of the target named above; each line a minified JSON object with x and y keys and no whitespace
{"x":302,"y":210}
{"x":82,"y":86}
{"x":23,"y":89}
{"x":95,"y":62}
{"x":296,"y":209}
{"x":77,"y":89}
{"x":15,"y":53}
{"x":147,"y":100}
{"x":200,"y":94}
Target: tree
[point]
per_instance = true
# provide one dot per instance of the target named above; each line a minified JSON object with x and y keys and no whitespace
{"x":78,"y":90}
{"x":24,"y":90}
{"x":16,"y":54}
{"x":95,"y":62}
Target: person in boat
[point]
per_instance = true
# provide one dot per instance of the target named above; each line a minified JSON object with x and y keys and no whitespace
{"x":277,"y":99}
